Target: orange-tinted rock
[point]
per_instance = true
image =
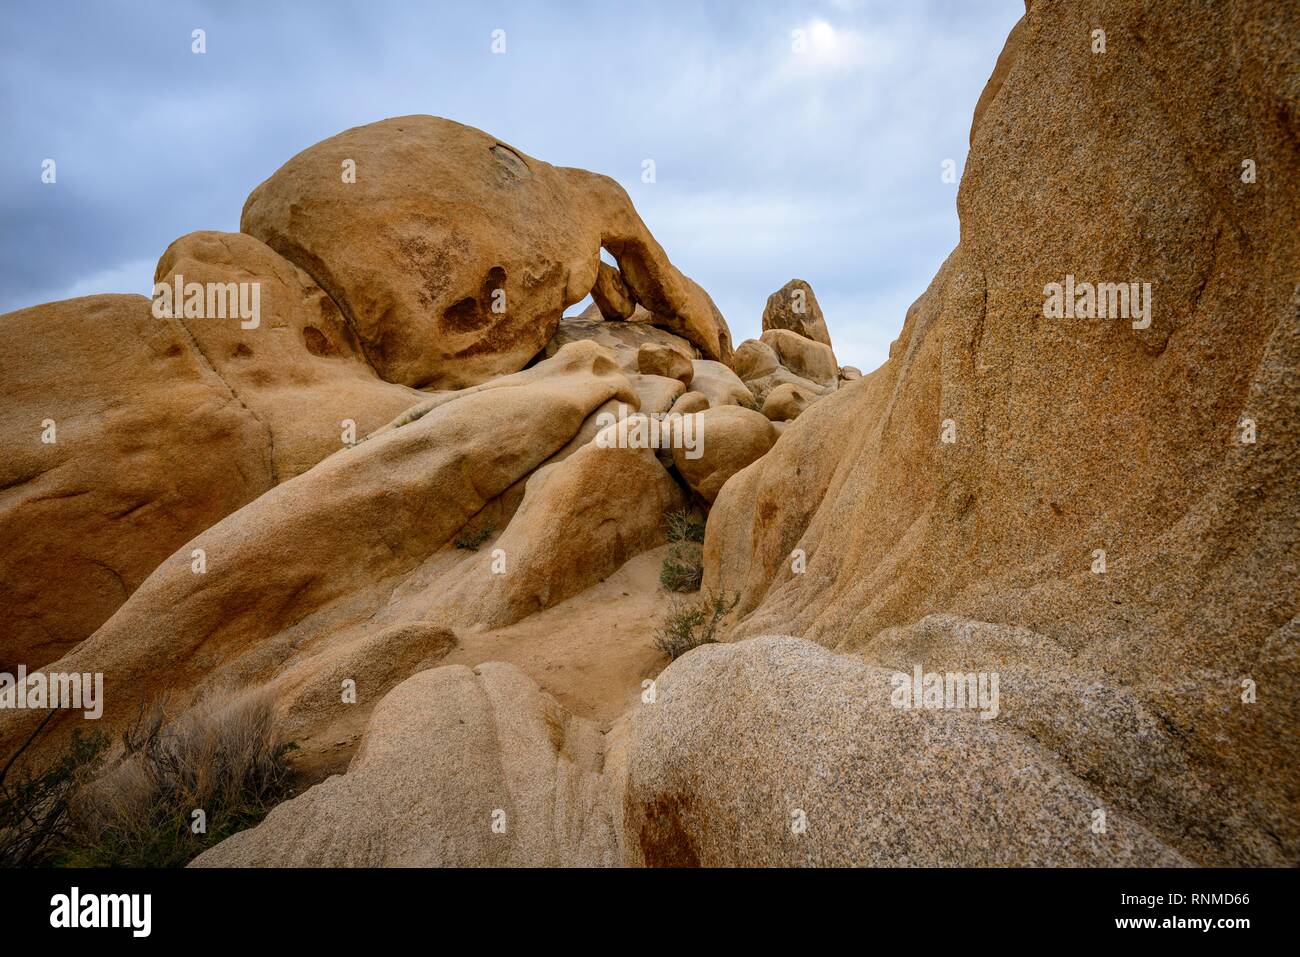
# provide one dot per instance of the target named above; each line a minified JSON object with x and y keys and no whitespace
{"x":453,"y":255}
{"x":149,"y":447}
{"x":298,"y":369}
{"x":795,"y":307}
{"x":610,"y":296}
{"x":731,"y":438}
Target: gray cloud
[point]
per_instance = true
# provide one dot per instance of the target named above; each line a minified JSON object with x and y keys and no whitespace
{"x":770,"y":164}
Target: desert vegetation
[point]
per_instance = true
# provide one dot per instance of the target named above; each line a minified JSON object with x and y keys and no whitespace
{"x":690,"y":623}
{"x":157,"y":798}
{"x":683,"y":566}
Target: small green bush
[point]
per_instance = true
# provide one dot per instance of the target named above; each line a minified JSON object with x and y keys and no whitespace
{"x":689,"y":624}
{"x":683,"y":567}
{"x":472,"y":540}
{"x":685,"y":525}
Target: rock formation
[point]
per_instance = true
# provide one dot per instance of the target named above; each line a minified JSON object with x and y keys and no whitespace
{"x":805,"y":358}
{"x":734,"y":438}
{"x":448,"y":754}
{"x":793,"y":358}
{"x":1094,"y":519}
{"x":453,"y":255}
{"x":794,"y":307}
{"x":660,"y":360}
{"x":134,"y":463}
{"x":721,"y":785}
{"x":786,"y":401}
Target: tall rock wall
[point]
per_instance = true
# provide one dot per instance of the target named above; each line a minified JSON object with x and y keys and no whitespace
{"x":1069,"y":437}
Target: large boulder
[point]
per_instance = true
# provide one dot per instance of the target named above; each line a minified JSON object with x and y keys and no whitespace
{"x":459,"y":767}
{"x":775,"y":753}
{"x":786,"y":402}
{"x":731,"y":438}
{"x":656,"y":393}
{"x":690,"y":402}
{"x":754,"y":358}
{"x":453,"y":255}
{"x":718,"y":384}
{"x":653,"y":358}
{"x":297,"y":367}
{"x":145,"y":446}
{"x":611,"y":296}
{"x":794,"y":307}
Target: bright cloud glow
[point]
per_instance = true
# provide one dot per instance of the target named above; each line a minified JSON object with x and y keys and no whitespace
{"x":823,"y":36}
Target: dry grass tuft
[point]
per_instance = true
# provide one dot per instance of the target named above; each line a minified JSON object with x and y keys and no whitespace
{"x":222,"y":757}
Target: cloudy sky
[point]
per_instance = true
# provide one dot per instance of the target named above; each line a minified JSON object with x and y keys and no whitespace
{"x":777,"y":154}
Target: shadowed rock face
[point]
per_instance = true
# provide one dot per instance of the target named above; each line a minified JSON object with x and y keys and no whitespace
{"x":1071,"y":436}
{"x":453,"y":255}
{"x":580,"y":520}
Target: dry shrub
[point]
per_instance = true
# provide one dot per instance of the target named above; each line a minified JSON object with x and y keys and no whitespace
{"x":471,"y":540}
{"x":683,"y":567}
{"x":685,"y":525}
{"x":690,"y":624}
{"x":223,"y":756}
{"x":35,"y":818}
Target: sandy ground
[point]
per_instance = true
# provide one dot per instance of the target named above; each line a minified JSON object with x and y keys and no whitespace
{"x":590,"y":652}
